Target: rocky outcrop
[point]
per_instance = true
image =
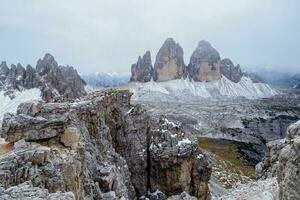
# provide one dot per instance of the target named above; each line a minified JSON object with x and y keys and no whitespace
{"x":56,"y":82}
{"x":282,"y":160}
{"x":100,"y":148}
{"x":142,"y":71}
{"x":205,"y":63}
{"x":289,"y":165}
{"x":268,"y":167}
{"x":169,"y":63}
{"x":233,"y":73}
{"x":176,"y":164}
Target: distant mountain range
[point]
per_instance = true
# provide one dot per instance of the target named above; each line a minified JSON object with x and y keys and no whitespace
{"x":105,"y":80}
{"x":280,"y":78}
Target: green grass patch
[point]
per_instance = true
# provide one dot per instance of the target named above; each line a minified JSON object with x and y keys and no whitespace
{"x":229,"y":165}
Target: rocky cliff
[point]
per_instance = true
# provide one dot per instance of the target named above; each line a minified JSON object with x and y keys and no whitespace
{"x":142,"y":71}
{"x":289,"y":165}
{"x":99,"y":148}
{"x":205,"y":63}
{"x":169,"y":64}
{"x":282,"y":160}
{"x":56,"y":82}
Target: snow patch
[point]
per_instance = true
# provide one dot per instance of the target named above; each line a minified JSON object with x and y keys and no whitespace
{"x":183,"y":141}
{"x":11,"y":105}
{"x":200,"y":156}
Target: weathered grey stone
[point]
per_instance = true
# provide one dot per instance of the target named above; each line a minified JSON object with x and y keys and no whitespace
{"x":26,"y":191}
{"x":177,"y":164}
{"x":182,"y":196}
{"x":293,"y":131}
{"x":268,"y":167}
{"x":289,"y":165}
{"x":70,"y":137}
{"x":29,"y":108}
{"x":157,"y":195}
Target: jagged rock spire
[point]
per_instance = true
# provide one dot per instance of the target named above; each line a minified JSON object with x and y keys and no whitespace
{"x":142,"y":71}
{"x":233,"y":73}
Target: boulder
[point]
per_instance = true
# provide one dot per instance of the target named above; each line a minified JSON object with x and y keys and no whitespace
{"x":204,"y":63}
{"x":169,"y":63}
{"x":142,"y":71}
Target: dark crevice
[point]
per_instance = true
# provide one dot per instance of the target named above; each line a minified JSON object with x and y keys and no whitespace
{"x":148,"y":161}
{"x":192,"y":185}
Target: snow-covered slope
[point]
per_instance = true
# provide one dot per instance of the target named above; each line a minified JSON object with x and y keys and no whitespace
{"x":185,"y":88}
{"x":10,"y":105}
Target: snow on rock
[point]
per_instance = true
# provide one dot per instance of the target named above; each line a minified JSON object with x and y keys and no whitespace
{"x":186,"y":88}
{"x":183,"y":141}
{"x":11,"y":105}
{"x":257,"y":190}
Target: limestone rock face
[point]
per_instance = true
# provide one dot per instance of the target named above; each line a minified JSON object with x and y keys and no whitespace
{"x":204,"y":63}
{"x":268,"y":168}
{"x":169,"y":63}
{"x":289,"y":165}
{"x":176,"y":162}
{"x":142,"y":71}
{"x":57,"y":83}
{"x":99,"y":148}
{"x":233,"y":73}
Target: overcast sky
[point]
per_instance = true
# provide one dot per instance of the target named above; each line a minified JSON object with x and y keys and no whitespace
{"x":109,"y":35}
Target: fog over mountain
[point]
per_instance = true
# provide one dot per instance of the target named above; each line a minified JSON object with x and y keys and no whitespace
{"x":107,"y":36}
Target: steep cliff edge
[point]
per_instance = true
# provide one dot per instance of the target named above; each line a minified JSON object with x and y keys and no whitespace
{"x":99,"y":148}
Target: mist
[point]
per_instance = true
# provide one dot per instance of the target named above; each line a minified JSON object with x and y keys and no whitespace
{"x":108,"y":36}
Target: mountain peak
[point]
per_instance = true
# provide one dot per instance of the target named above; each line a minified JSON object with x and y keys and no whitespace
{"x":204,"y":43}
{"x":169,"y":63}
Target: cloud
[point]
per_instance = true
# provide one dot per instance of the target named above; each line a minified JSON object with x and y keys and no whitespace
{"x":108,"y":36}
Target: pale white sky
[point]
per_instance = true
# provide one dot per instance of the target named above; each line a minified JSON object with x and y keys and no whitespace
{"x":108,"y":36}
